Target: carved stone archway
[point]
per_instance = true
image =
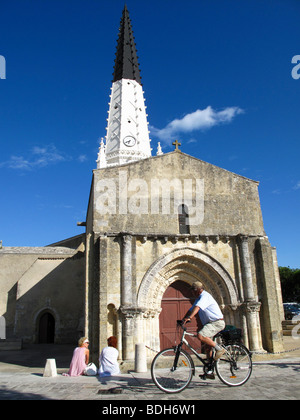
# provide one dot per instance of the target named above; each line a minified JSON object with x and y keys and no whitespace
{"x":188,"y":265}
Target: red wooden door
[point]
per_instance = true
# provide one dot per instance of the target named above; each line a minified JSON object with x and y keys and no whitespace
{"x":176,"y":301}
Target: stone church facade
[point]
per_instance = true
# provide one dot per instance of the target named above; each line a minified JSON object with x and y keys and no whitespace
{"x":132,"y":266}
{"x":155,"y":224}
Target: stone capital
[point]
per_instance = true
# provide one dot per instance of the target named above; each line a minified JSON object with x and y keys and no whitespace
{"x":252,"y":306}
{"x":130,"y":311}
{"x":127,"y":239}
{"x":243,"y":238}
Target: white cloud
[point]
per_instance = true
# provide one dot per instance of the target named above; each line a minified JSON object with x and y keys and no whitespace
{"x":17,"y":162}
{"x":297,"y":186}
{"x":38,"y":157}
{"x":199,"y":120}
{"x":44,"y":156}
{"x":82,"y":158}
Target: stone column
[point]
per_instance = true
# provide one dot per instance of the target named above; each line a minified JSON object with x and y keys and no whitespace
{"x":119,"y":331}
{"x":127,"y":310}
{"x":251,"y":305}
{"x":126,"y":285}
{"x":246,"y":269}
{"x":128,"y":333}
{"x":99,"y":296}
{"x":131,"y":333}
{"x":252,"y":316}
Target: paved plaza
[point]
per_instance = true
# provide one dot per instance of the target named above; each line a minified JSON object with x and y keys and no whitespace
{"x":274,"y":377}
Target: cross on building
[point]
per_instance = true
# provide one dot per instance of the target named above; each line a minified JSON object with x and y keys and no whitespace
{"x":176,"y":144}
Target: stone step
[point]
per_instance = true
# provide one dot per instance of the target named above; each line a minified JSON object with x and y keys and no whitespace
{"x":290,"y":322}
{"x":288,"y":326}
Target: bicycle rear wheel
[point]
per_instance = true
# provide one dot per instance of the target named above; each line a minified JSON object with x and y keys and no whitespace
{"x":234,"y":368}
{"x":165,"y":377}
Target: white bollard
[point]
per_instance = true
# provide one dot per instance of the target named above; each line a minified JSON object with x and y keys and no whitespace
{"x":50,"y":368}
{"x":140,"y":358}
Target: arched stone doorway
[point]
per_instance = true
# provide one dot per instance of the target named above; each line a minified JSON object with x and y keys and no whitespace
{"x":187,"y":265}
{"x":46,"y":328}
{"x":175,"y":303}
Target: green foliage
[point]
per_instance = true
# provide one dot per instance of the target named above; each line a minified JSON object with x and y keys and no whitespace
{"x":290,"y":284}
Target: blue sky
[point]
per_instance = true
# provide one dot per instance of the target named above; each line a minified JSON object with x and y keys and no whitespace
{"x":217,"y":75}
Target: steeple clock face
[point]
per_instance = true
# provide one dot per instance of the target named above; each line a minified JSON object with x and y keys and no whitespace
{"x":129,"y":141}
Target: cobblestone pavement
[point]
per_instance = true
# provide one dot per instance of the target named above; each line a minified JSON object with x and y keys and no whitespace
{"x":275,"y":379}
{"x":270,"y":380}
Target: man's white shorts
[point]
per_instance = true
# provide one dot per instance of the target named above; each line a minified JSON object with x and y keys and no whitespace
{"x":212,"y":328}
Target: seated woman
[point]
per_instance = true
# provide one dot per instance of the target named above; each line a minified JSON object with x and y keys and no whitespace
{"x":80,"y":358}
{"x":109,"y":359}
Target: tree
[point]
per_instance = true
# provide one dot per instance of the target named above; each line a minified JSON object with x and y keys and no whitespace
{"x":290,"y":284}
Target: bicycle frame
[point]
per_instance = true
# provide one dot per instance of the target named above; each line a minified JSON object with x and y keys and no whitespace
{"x":209,"y":363}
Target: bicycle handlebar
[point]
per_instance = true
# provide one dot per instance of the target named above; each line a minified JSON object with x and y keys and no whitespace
{"x":181,"y":324}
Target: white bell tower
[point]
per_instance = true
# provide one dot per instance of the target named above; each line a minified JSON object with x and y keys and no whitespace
{"x":127,"y":137}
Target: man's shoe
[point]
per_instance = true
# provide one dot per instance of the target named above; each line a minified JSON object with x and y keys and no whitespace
{"x":219,"y":354}
{"x":207,"y":376}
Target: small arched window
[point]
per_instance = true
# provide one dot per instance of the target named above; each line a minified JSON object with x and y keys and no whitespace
{"x":183,"y":219}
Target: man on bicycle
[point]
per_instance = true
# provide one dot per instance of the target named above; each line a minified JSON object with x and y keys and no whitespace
{"x":211,"y":318}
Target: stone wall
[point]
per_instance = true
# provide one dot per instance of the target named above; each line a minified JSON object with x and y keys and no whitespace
{"x":38,"y":280}
{"x":144,"y":197}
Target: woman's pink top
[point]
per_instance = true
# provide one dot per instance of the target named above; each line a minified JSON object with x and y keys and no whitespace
{"x":77,"y":365}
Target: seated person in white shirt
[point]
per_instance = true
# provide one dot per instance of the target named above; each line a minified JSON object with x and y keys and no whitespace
{"x":108,"y":360}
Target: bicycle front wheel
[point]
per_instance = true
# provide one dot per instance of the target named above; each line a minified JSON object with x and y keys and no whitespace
{"x":234,"y":368}
{"x":168,"y":379}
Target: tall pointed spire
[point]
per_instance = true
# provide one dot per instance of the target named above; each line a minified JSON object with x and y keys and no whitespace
{"x":126,"y":63}
{"x":127,"y":138}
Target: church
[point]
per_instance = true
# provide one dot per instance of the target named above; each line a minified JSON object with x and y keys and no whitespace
{"x":154,"y":225}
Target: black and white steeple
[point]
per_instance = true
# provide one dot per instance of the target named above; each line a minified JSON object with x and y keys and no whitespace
{"x":127,"y":138}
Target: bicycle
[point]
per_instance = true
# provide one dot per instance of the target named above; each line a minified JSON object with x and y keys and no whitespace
{"x":172,"y":369}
